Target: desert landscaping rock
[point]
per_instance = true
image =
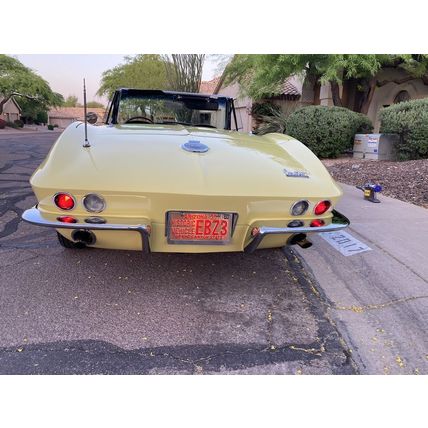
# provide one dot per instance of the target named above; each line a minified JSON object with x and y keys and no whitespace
{"x":406,"y":181}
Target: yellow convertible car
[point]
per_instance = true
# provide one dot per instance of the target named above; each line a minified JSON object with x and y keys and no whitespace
{"x":166,"y":173}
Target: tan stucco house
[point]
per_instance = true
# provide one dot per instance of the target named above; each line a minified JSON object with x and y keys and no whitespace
{"x":290,"y":97}
{"x":64,"y":116}
{"x":11,"y":111}
{"x":393,"y":85}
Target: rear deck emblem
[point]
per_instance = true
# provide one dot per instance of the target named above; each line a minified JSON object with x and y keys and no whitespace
{"x":295,"y":173}
{"x":195,"y":146}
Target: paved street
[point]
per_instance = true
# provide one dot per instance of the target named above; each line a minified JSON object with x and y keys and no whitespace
{"x":274,"y":312}
{"x":98,"y":311}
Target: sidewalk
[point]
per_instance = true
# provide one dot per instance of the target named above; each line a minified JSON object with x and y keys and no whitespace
{"x":378,"y":298}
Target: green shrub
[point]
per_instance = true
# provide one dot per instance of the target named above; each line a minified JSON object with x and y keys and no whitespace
{"x":410,"y":121}
{"x":274,"y":121}
{"x":327,"y":131}
{"x":274,"y":118}
{"x":41,"y":117}
{"x":50,"y":127}
{"x":2,"y":124}
{"x":11,"y":124}
{"x":267,"y":108}
{"x":19,"y":123}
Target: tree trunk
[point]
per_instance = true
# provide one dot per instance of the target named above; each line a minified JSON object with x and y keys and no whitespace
{"x":368,"y":96}
{"x":335,"y":93}
{"x":317,"y":90}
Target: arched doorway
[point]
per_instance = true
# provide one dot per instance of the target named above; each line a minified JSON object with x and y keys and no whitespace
{"x":401,"y":97}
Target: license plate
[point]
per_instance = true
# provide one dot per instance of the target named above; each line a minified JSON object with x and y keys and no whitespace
{"x":186,"y":227}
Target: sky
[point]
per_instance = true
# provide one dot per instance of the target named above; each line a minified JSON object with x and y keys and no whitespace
{"x":65,"y":73}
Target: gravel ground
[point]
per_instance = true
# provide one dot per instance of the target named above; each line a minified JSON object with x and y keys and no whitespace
{"x":406,"y":181}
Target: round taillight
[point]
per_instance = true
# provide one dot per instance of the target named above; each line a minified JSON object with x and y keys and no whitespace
{"x":322,"y":207}
{"x":67,"y":219}
{"x":94,"y":203}
{"x":299,"y":208}
{"x":317,"y":223}
{"x":64,"y":201}
{"x":255,"y":231}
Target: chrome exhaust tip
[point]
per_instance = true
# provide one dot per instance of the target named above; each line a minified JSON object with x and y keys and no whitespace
{"x":84,"y":236}
{"x":301,"y":240}
{"x":304,"y":243}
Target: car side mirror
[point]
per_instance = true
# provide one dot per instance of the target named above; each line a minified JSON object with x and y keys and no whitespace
{"x":91,"y":117}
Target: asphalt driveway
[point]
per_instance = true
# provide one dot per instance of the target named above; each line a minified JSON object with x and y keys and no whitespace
{"x":98,"y":311}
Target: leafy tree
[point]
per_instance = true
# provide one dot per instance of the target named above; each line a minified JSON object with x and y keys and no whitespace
{"x":141,"y":71}
{"x":33,"y":111}
{"x":16,"y":80}
{"x":262,"y":75}
{"x":184,"y":71}
{"x":71,"y":101}
{"x":94,"y":104}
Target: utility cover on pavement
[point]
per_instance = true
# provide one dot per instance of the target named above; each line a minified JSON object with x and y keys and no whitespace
{"x":344,"y":243}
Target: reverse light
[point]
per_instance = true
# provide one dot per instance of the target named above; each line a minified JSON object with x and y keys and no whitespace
{"x":317,"y":223}
{"x":67,"y":219}
{"x":94,"y":203}
{"x":295,"y":223}
{"x":322,"y":207}
{"x":299,"y":208}
{"x":65,"y":201}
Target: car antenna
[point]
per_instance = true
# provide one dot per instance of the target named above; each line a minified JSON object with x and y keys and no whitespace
{"x":86,"y":143}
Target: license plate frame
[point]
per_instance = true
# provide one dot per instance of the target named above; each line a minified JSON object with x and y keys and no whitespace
{"x":171,"y":234}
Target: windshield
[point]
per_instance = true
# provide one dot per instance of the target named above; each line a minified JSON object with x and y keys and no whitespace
{"x":158,"y":109}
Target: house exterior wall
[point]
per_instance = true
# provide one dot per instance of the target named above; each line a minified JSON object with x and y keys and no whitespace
{"x":385,"y":94}
{"x":287,"y":106}
{"x":10,"y":112}
{"x":64,"y":116}
{"x":391,"y":82}
{"x":61,"y":122}
{"x":326,"y":97}
{"x":242,"y":106}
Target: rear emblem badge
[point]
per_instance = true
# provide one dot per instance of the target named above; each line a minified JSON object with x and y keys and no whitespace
{"x":295,"y":173}
{"x":195,"y":147}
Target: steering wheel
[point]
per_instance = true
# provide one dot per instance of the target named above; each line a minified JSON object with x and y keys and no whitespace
{"x":139,"y":118}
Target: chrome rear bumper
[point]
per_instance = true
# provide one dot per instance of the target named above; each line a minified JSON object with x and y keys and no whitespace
{"x":33,"y":216}
{"x":338,"y":222}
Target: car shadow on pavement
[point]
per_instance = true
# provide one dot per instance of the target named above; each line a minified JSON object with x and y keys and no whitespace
{"x":99,"y":357}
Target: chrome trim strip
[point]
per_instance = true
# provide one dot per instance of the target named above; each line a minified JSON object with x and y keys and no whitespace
{"x":339,"y":221}
{"x":33,"y":216}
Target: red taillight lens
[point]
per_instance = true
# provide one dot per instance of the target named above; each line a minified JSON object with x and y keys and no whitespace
{"x":67,"y":219}
{"x":322,"y":207}
{"x":317,"y":223}
{"x":64,"y":201}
